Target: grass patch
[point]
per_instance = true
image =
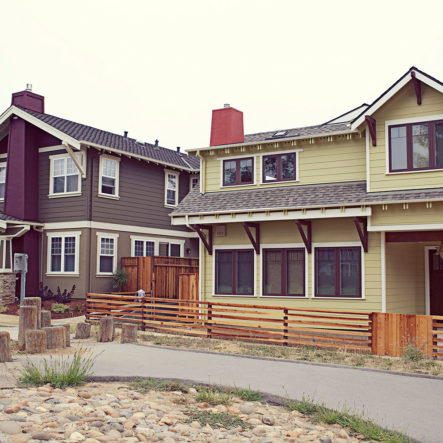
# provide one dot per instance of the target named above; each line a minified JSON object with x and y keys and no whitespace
{"x":151,"y":384}
{"x":59,"y":372}
{"x":212,"y":396}
{"x":220,"y":420}
{"x":247,"y":394}
{"x":371,"y":431}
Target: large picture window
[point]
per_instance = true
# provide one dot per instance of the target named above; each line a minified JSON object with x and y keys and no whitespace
{"x":109,"y":176}
{"x":338,"y":272}
{"x":234,"y":272}
{"x":65,"y":176}
{"x":238,"y":171}
{"x":63,"y":253}
{"x":416,"y":146}
{"x":284,"y":272}
{"x":279,"y":167}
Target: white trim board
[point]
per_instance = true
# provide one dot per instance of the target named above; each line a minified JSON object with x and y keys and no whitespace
{"x":394,"y":228}
{"x":116,"y":227}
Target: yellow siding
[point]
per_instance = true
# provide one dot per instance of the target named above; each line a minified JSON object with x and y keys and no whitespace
{"x":405,"y":278}
{"x":284,"y":232}
{"x":321,"y":162}
{"x":416,"y":214}
{"x":403,"y":105}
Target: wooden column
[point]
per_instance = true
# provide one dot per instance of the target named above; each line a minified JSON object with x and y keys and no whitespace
{"x":106,"y":329}
{"x":35,"y":341}
{"x":37,"y":302}
{"x":27,"y":320}
{"x":67,"y":327}
{"x":5,"y":350}
{"x":83,"y":330}
{"x":45,"y":319}
{"x":129,"y":333}
{"x":55,"y":337}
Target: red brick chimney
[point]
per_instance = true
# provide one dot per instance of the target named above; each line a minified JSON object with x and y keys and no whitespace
{"x":227,"y":126}
{"x":29,"y":100}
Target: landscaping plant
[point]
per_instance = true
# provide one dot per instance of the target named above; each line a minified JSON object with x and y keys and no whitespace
{"x":120,"y":277}
{"x":59,"y":308}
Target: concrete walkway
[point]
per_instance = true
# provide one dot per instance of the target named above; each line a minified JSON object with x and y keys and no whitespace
{"x":409,"y":404}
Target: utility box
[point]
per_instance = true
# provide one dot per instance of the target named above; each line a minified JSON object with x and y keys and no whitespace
{"x":20,"y":262}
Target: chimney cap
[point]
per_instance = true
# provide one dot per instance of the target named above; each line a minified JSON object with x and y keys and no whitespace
{"x":28,"y":87}
{"x":125,"y":134}
{"x":156,"y":142}
{"x":178,"y":148}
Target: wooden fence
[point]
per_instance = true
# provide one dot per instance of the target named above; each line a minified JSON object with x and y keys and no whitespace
{"x":157,"y":276}
{"x":266,"y":324}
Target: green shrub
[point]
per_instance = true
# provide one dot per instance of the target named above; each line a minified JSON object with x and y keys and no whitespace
{"x":120,"y":277}
{"x":59,"y":308}
{"x":412,"y":354}
{"x":59,"y":372}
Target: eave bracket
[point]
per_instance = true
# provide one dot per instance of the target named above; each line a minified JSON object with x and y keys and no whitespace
{"x":306,"y":236}
{"x":417,"y":87}
{"x":361,"y":224}
{"x":206,"y":239}
{"x":372,"y":129}
{"x":74,"y":159}
{"x":255,"y":242}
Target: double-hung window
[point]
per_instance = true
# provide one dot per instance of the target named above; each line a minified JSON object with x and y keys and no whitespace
{"x":63,"y":253}
{"x":416,"y":146}
{"x":279,"y":167}
{"x":238,"y":171}
{"x":106,"y":253}
{"x":144,"y":248}
{"x":65,"y":176}
{"x":284,"y":272}
{"x":109,"y":176}
{"x":171,"y":188}
{"x":2,"y":180}
{"x":338,"y":272}
{"x":234,"y":272}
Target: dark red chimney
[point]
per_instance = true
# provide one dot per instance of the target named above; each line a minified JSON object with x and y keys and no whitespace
{"x":227,"y":126}
{"x":29,"y":100}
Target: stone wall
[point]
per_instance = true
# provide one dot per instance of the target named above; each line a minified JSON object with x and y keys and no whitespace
{"x":7,"y":288}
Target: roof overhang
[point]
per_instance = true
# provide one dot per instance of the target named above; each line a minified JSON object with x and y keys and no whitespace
{"x":408,"y":77}
{"x":13,"y":110}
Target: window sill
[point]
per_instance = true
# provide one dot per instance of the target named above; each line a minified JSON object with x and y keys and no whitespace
{"x":112,"y":197}
{"x":62,"y":274}
{"x":284,"y":297}
{"x":110,"y":274}
{"x":338,"y":298}
{"x":234,"y":295}
{"x":170,"y":206}
{"x":279,"y":182}
{"x":237,"y":186}
{"x":70,"y":194}
{"x":414,"y":172}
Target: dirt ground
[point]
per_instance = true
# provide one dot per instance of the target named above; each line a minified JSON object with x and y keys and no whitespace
{"x":76,"y":309}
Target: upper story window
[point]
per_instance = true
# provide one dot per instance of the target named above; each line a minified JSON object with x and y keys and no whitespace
{"x":64,"y":175}
{"x":416,"y":146}
{"x":109,"y":176}
{"x":194,"y":182}
{"x":279,"y":167}
{"x":171,"y":188}
{"x":238,"y":171}
{"x":63,"y":252}
{"x":2,"y":180}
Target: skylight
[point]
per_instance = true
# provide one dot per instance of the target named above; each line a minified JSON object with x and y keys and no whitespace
{"x":280,"y":133}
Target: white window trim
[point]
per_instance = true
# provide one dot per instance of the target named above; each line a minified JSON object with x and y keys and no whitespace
{"x":156,"y":241}
{"x":338,"y":245}
{"x":193,"y":177}
{"x":405,"y":121}
{"x":50,"y":236}
{"x":3,"y":269}
{"x":52,"y":158}
{"x":4,"y":163}
{"x":177,"y":175}
{"x":221,"y":247}
{"x":239,"y":157}
{"x":283,"y":246}
{"x":280,"y":182}
{"x":116,"y":196}
{"x":101,"y":235}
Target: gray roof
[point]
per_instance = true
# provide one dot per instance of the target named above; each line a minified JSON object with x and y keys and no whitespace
{"x":297,"y":197}
{"x":129,"y":145}
{"x":9,"y":218}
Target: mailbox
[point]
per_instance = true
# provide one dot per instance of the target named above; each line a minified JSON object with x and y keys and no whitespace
{"x":20,"y":262}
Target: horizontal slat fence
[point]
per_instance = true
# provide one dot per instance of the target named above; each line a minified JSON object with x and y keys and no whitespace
{"x":437,"y":336}
{"x":265,"y":324}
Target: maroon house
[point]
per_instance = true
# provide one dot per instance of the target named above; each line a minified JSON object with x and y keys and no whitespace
{"x":76,"y":199}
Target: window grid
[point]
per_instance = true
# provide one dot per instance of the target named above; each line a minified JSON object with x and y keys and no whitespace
{"x":63,"y":251}
{"x":109,"y":176}
{"x":171,"y":189}
{"x":106,"y":255}
{"x":279,"y":167}
{"x":238,"y":171}
{"x":234,"y":272}
{"x":65,"y":176}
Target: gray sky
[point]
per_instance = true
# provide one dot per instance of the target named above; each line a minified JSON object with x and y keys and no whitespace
{"x":158,"y":68}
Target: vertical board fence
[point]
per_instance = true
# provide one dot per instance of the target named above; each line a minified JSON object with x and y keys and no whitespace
{"x":157,"y":276}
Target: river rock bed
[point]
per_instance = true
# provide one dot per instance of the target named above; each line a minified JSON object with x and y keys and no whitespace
{"x":113,"y":412}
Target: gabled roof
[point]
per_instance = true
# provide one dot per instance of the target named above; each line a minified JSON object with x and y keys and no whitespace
{"x":78,"y":134}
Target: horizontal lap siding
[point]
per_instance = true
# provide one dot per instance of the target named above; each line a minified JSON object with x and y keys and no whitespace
{"x":417,"y":213}
{"x":321,"y":162}
{"x":284,"y":232}
{"x":403,"y":105}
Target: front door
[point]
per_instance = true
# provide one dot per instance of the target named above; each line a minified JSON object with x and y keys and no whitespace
{"x":435,"y":283}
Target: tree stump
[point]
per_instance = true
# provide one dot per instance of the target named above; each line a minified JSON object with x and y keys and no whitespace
{"x":37,"y":302}
{"x":27,"y":320}
{"x":106,"y":329}
{"x":55,"y":337}
{"x":67,"y":327}
{"x":45,"y":319}
{"x":35,"y":340}
{"x":129,"y":333}
{"x":83,"y":330}
{"x":5,"y":350}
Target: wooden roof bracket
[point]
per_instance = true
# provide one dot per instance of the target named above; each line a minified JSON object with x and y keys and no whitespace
{"x":255,"y":242}
{"x":361,"y":224}
{"x":417,"y":87}
{"x":306,"y":237}
{"x":207,"y":240}
{"x":372,"y":129}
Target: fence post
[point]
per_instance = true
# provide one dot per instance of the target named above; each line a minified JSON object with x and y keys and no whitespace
{"x":285,"y":326}
{"x":208,"y":324}
{"x":143,"y":313}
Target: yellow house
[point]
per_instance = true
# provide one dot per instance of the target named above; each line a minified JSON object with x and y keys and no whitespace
{"x":343,"y":215}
